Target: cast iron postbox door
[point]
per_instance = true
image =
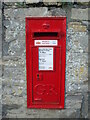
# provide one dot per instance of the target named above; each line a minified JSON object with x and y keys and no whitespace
{"x":45,"y":61}
{"x":46,"y":75}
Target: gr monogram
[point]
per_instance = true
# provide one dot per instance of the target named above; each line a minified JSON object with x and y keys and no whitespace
{"x":42,"y":89}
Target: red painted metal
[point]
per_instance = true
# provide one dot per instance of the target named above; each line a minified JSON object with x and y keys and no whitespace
{"x":47,"y":91}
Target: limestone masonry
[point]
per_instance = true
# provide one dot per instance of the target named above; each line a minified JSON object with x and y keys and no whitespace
{"x":13,"y":57}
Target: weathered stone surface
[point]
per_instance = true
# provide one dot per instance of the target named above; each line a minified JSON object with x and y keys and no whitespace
{"x":52,"y":2}
{"x":0,"y":13}
{"x":5,"y":47}
{"x":32,"y":1}
{"x":0,"y":5}
{"x":14,"y":84}
{"x":13,"y":0}
{"x":77,"y":27}
{"x":0,"y":97}
{"x":16,"y":48}
{"x":21,"y":13}
{"x":0,"y":110}
{"x":0,"y":62}
{"x":77,"y":58}
{"x":12,"y":36}
{"x":14,"y":73}
{"x":58,"y":1}
{"x":0,"y":70}
{"x":88,"y":77}
{"x":83,"y":1}
{"x":74,"y":111}
{"x":36,"y":1}
{"x":15,"y":29}
{"x":14,"y":60}
{"x":84,"y":107}
{"x":76,"y":72}
{"x":50,"y":114}
{"x":73,"y":101}
{"x":57,"y":12}
{"x":89,"y":104}
{"x":87,"y":24}
{"x":13,"y":99}
{"x":0,"y":47}
{"x":0,"y":33}
{"x":77,"y":41}
{"x":89,"y":59}
{"x":80,"y":14}
{"x":8,"y":107}
{"x":14,"y":88}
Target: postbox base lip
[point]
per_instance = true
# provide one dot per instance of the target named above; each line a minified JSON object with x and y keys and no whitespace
{"x":45,"y":107}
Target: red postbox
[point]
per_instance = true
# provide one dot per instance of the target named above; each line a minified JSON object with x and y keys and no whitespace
{"x":45,"y":61}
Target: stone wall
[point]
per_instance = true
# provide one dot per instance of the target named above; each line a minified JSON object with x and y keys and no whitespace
{"x":0,"y":60}
{"x":13,"y":67}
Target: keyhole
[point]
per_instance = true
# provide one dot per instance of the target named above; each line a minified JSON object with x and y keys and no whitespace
{"x":37,"y":76}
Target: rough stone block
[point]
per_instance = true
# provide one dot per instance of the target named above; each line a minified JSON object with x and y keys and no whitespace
{"x":0,"y":5}
{"x":32,"y":1}
{"x":57,"y":12}
{"x":0,"y":34}
{"x":17,"y":48}
{"x":14,"y":73}
{"x":21,"y":13}
{"x":89,"y":59}
{"x":77,"y":27}
{"x":89,"y":44}
{"x":57,"y":1}
{"x":80,"y":14}
{"x":13,"y":0}
{"x":34,"y":113}
{"x":52,"y":114}
{"x":14,"y":44}
{"x":0,"y":97}
{"x":12,"y":61}
{"x":18,"y":90}
{"x":0,"y":87}
{"x":88,"y":72}
{"x":6,"y":107}
{"x":86,"y":23}
{"x":0,"y":52}
{"x":77,"y":41}
{"x":76,"y":72}
{"x":0,"y":14}
{"x":11,"y":99}
{"x":73,"y":101}
{"x":83,"y":1}
{"x":84,"y":108}
{"x":13,"y":83}
{"x":15,"y":35}
{"x":0,"y":70}
{"x":77,"y":58}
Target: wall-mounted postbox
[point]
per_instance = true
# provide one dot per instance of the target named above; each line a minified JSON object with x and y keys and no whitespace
{"x":45,"y":61}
